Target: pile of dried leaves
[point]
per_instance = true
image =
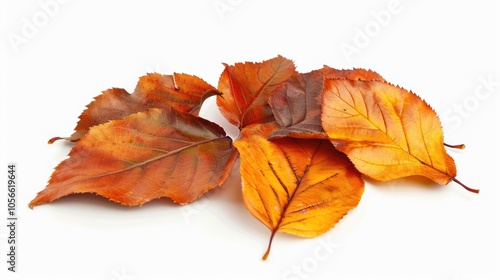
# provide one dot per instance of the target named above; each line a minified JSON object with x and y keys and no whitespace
{"x":305,"y":141}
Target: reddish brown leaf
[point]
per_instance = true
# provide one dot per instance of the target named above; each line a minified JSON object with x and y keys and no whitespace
{"x":297,"y":104}
{"x":147,"y":155}
{"x":246,"y":88}
{"x":184,"y":92}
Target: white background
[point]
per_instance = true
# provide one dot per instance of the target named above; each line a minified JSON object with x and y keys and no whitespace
{"x":406,"y":229}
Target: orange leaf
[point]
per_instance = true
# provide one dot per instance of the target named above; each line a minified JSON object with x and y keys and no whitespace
{"x":298,"y":186}
{"x":297,"y":104}
{"x":354,"y":74}
{"x":386,"y":131}
{"x":184,"y":92}
{"x":246,"y":88}
{"x":147,"y":155}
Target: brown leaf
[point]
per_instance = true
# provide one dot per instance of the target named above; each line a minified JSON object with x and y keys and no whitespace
{"x":147,"y":155}
{"x":246,"y":88}
{"x":386,"y":131}
{"x":297,"y":104}
{"x":184,"y":92}
{"x":298,"y":186}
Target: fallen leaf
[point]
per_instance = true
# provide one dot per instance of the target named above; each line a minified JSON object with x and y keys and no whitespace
{"x":298,"y":186}
{"x":354,"y":74}
{"x":297,"y":104}
{"x":386,"y":131}
{"x":184,"y":92}
{"x":305,"y":140}
{"x":147,"y":155}
{"x":246,"y":88}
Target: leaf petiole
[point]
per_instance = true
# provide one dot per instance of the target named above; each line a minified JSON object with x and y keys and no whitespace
{"x":269,"y":246}
{"x":459,"y":146}
{"x":465,"y":187}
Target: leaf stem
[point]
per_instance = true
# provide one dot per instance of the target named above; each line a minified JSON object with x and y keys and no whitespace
{"x":54,"y":139}
{"x":459,"y":146}
{"x":464,"y":186}
{"x":269,"y":246}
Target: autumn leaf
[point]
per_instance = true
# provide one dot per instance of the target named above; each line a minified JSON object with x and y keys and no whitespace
{"x":354,"y":74}
{"x":246,"y":88}
{"x":305,"y":141}
{"x":386,"y":131}
{"x":147,"y":155}
{"x":298,"y":186}
{"x":184,"y":92}
{"x":297,"y":104}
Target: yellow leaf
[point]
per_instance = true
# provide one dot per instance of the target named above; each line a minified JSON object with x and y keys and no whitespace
{"x":386,"y":131}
